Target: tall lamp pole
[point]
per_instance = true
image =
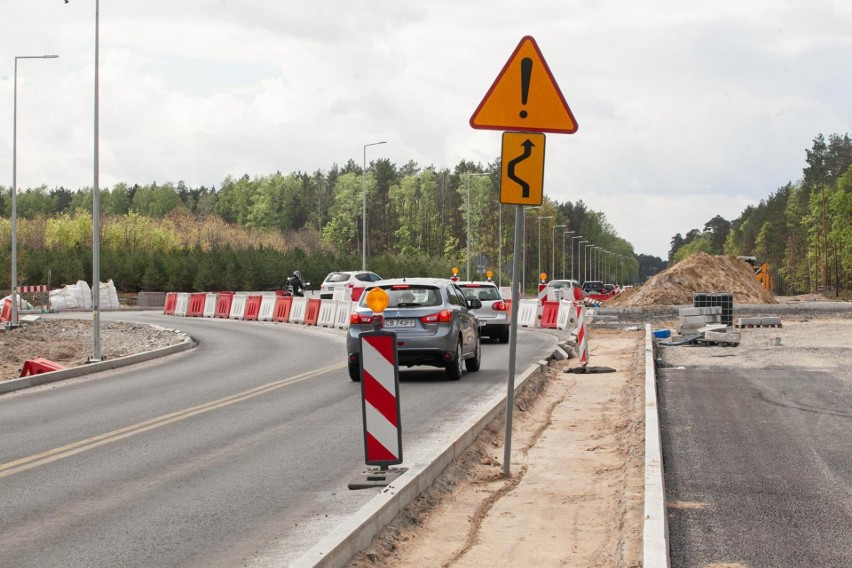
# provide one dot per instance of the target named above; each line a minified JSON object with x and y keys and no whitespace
{"x":553,"y":250}
{"x":573,"y":258}
{"x":563,"y":250}
{"x":539,"y":244}
{"x":467,"y":277}
{"x":586,"y":260}
{"x":364,"y":207}
{"x":13,"y":320}
{"x":524,"y":247}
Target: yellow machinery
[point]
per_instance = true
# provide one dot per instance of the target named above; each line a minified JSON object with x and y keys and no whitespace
{"x":764,"y":275}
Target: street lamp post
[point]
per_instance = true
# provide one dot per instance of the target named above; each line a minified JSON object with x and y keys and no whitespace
{"x":364,"y":207}
{"x":553,"y":250}
{"x":573,"y":258}
{"x":563,"y":250}
{"x":524,"y":247}
{"x":468,"y":221}
{"x":539,"y":244}
{"x":13,"y":319}
{"x":586,"y":260}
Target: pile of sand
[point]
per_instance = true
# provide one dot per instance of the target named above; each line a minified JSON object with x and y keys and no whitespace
{"x":700,"y":272}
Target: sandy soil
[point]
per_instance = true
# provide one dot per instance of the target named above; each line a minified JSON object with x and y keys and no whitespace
{"x":69,"y":342}
{"x":575,"y":496}
{"x":822,"y":343}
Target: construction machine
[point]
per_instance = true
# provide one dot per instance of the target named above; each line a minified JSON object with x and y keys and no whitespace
{"x":762,"y":272}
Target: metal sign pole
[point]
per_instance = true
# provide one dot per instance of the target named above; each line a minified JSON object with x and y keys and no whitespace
{"x":513,"y":340}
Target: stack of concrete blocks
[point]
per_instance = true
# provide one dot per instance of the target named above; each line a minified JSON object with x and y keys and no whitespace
{"x":766,"y":321}
{"x":707,"y":322}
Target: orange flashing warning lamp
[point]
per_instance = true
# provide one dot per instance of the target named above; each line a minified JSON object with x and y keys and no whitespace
{"x":543,"y":277}
{"x":455,"y":275}
{"x":377,"y":300}
{"x":488,"y":275}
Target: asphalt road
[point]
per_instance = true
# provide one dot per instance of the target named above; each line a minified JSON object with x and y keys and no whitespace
{"x":238,"y":450}
{"x":758,"y":467}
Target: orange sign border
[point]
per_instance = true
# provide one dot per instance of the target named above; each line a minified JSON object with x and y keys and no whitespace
{"x":500,"y":76}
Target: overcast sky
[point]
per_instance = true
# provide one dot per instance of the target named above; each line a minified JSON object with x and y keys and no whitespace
{"x":685,"y":109}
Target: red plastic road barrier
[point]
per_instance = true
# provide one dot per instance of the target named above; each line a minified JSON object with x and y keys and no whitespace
{"x":252,"y":308}
{"x":356,"y":293}
{"x":312,"y":311}
{"x":380,"y":398}
{"x":549,"y":314}
{"x":171,"y":302}
{"x":196,"y":305}
{"x":283,"y":304}
{"x":6,"y":314}
{"x":39,"y":366}
{"x":509,"y":309}
{"x":223,"y":305}
{"x":33,"y":289}
{"x":601,"y":297}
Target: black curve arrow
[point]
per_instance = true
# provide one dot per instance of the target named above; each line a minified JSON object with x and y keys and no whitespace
{"x":525,"y":187}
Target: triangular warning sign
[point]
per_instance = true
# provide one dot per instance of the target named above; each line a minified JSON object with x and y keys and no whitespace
{"x":525,"y":97}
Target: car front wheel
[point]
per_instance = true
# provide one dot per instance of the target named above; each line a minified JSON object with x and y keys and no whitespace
{"x":454,"y":367}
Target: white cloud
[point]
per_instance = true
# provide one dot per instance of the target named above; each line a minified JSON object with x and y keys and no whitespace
{"x":682,"y":106}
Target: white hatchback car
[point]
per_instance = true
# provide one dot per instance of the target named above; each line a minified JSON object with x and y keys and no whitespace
{"x":336,"y":280}
{"x":493,"y":316}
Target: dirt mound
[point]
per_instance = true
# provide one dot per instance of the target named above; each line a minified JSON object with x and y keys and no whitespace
{"x":700,"y":272}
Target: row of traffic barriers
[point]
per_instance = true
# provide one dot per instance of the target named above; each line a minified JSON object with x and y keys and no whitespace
{"x":260,"y":306}
{"x":276,"y":306}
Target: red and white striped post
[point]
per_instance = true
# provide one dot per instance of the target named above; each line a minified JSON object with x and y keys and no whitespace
{"x":380,"y":399}
{"x":582,"y":342}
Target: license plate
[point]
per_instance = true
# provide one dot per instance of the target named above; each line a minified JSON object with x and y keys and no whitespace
{"x":402,"y":322}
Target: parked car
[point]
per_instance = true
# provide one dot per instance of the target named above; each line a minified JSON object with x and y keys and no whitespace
{"x":593,"y":287}
{"x":493,"y":316}
{"x":434,"y":323}
{"x":336,"y":280}
{"x":565,"y":287}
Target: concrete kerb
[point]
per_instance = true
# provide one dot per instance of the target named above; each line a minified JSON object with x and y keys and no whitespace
{"x":655,"y":531}
{"x":339,"y":547}
{"x":62,"y":374}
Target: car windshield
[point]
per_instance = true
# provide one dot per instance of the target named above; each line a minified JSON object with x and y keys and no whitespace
{"x":482,"y":293}
{"x":412,"y":296}
{"x":560,"y":284}
{"x":337,"y":277}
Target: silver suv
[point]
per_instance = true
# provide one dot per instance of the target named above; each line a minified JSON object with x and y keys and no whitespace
{"x":434,"y":324}
{"x":493,"y":316}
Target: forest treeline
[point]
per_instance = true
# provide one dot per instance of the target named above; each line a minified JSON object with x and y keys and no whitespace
{"x":251,"y":233}
{"x":803,"y":230}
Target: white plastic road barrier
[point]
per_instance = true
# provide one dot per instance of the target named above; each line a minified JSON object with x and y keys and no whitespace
{"x":238,"y":306}
{"x":267,"y":307}
{"x":527,"y":313}
{"x":182,"y":304}
{"x":344,"y":293}
{"x":210,"y":304}
{"x":566,"y":318}
{"x":297,"y":312}
{"x":328,"y":308}
{"x":341,"y":316}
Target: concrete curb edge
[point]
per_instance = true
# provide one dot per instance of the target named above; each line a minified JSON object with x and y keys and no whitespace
{"x":53,"y":376}
{"x":339,"y":547}
{"x":655,"y":531}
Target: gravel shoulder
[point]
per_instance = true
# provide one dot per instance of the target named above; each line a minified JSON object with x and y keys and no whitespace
{"x":575,"y":494}
{"x":69,"y":342}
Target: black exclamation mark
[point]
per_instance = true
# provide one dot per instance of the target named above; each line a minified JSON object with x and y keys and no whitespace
{"x":526,"y":71}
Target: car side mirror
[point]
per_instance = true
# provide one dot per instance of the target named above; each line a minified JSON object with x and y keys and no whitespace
{"x":474,"y":303}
